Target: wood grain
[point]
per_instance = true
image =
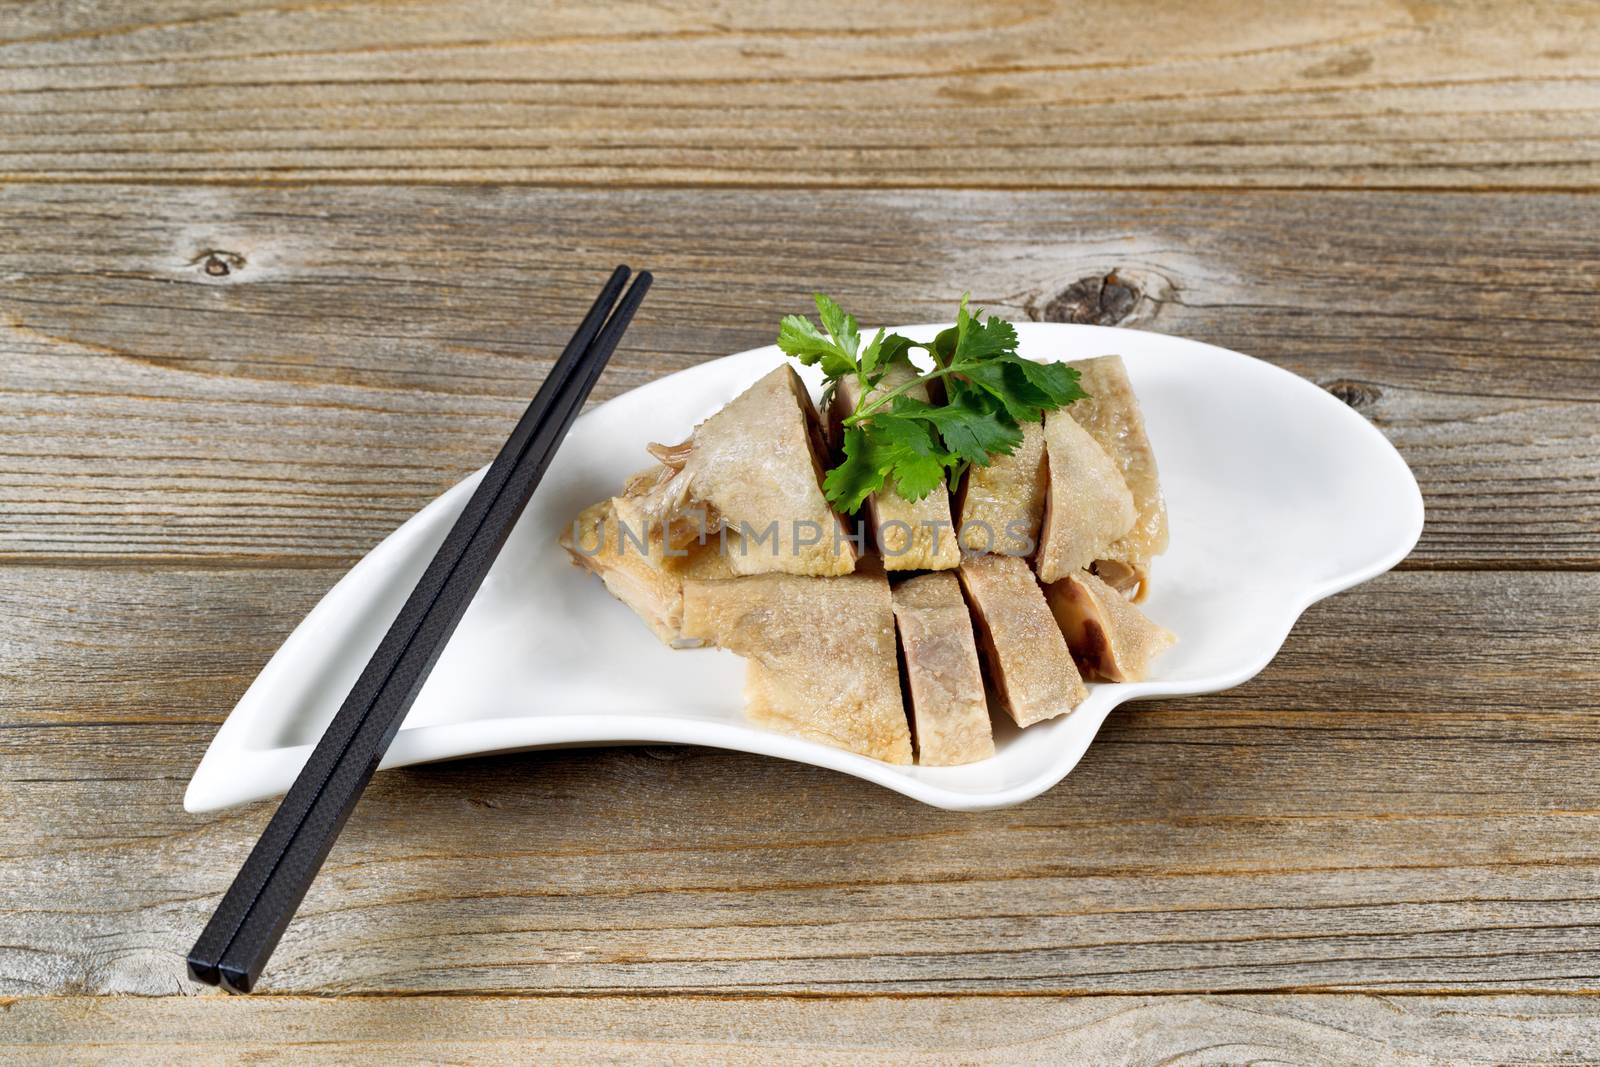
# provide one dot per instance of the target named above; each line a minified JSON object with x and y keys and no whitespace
{"x":1352,"y":94}
{"x":258,"y":303}
{"x":1435,"y":828}
{"x":1321,"y":1031}
{"x":285,"y":375}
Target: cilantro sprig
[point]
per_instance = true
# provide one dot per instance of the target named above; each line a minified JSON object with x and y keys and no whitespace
{"x":897,"y":440}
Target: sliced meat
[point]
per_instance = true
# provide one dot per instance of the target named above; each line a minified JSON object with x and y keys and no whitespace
{"x":948,"y":704}
{"x":912,"y":535}
{"x":1111,"y":639}
{"x":644,"y":564}
{"x":1029,"y":665}
{"x":1112,"y":416}
{"x":754,"y":467}
{"x":1001,"y":505}
{"x":821,"y":654}
{"x":1088,"y":506}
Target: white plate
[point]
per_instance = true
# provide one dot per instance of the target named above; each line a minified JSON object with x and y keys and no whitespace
{"x":1278,"y":494}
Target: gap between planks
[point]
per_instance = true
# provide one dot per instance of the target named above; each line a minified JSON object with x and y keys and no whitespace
{"x":265,"y":181}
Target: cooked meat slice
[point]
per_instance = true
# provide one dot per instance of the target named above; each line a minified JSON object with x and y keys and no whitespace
{"x":642,"y":563}
{"x":754,"y":466}
{"x":1001,"y":505}
{"x":948,"y":704}
{"x":1111,"y":415}
{"x":821,"y":654}
{"x":1088,"y":506}
{"x":1111,"y":639}
{"x":1029,"y":665}
{"x":911,"y":535}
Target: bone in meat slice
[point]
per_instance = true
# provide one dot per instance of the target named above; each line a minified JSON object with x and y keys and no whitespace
{"x":948,"y":704}
{"x":912,"y":535}
{"x":643,"y":564}
{"x":754,"y":466}
{"x":1112,"y":640}
{"x":821,"y":655}
{"x":1112,"y":416}
{"x":1001,"y":505}
{"x":1120,"y":576}
{"x":1029,"y":665}
{"x":1088,"y":506}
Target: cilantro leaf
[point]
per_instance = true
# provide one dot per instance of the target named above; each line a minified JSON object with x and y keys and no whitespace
{"x":801,"y":340}
{"x":903,"y":452}
{"x":1010,"y":388}
{"x":916,"y":459}
{"x":1027,"y":389}
{"x":840,"y":326}
{"x":986,"y":340}
{"x":798,"y":337}
{"x":973,"y":424}
{"x":1057,"y":382}
{"x":943,"y":346}
{"x":894,"y":441}
{"x":896,"y":347}
{"x":858,"y":475}
{"x":869,"y":355}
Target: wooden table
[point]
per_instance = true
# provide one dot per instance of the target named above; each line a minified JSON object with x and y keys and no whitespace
{"x":274,"y":274}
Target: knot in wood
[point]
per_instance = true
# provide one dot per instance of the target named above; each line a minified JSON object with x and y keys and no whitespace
{"x":218,"y":263}
{"x":1096,"y":301}
{"x":1356,"y":394}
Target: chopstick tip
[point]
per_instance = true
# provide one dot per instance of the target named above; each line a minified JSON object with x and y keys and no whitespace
{"x":201,"y":971}
{"x":236,"y":981}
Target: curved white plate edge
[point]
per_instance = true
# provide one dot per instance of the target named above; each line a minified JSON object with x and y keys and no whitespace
{"x":205,"y":785}
{"x":477,"y":737}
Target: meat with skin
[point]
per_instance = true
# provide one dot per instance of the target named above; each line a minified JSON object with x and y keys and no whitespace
{"x":1088,"y":506}
{"x":753,"y":466}
{"x":644,"y":564}
{"x":949,"y":708}
{"x":1113,"y":418}
{"x":1029,"y":664}
{"x":1002,"y":505}
{"x":1112,"y":640}
{"x":912,"y":535}
{"x":821,"y":654}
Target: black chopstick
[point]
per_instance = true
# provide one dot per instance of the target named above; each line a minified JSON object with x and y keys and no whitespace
{"x":250,"y":919}
{"x":286,"y":822}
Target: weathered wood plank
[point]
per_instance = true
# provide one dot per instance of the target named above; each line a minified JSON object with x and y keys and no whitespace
{"x":1406,"y":1031}
{"x":356,"y":351}
{"x":196,"y":381}
{"x":1343,"y":827}
{"x":1359,"y":93}
{"x":171,"y":646}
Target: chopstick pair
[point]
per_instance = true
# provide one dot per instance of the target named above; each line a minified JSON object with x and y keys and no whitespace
{"x":245,"y":928}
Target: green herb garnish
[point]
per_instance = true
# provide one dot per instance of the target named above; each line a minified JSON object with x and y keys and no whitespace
{"x":899,"y":439}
